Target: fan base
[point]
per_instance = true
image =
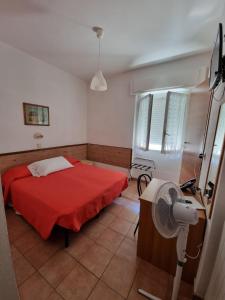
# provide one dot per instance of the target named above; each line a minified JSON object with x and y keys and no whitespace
{"x":148,"y":295}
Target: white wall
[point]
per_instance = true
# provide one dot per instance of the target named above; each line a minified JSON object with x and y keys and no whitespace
{"x":24,"y":78}
{"x":111,"y":113}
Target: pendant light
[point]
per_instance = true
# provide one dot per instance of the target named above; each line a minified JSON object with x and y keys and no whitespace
{"x":98,"y":82}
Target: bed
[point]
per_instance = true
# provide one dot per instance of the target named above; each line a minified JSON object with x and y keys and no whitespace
{"x":68,"y":198}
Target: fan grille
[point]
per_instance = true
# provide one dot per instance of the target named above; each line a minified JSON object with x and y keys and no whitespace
{"x":162,"y":210}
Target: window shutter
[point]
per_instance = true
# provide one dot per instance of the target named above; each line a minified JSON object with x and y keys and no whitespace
{"x":174,"y":122}
{"x":156,"y":128}
{"x":143,"y":122}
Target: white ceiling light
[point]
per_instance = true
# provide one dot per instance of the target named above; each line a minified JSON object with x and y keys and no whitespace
{"x":98,"y":82}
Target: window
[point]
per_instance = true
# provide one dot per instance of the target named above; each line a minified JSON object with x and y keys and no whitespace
{"x":160,"y":122}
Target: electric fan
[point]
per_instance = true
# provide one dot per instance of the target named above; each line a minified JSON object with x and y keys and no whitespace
{"x":172,"y":217}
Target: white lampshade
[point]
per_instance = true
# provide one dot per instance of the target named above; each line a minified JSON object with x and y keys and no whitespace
{"x":98,"y":82}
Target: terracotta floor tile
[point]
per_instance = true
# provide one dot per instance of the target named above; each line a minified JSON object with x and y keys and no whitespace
{"x":93,"y":229}
{"x":106,"y":218}
{"x":185,"y":293}
{"x":128,"y":251}
{"x":35,"y":288}
{"x":55,"y":296}
{"x":132,"y":205}
{"x":16,"y":225}
{"x":15,"y":253}
{"x":78,"y":284}
{"x":103,"y":292}
{"x":39,"y":254}
{"x":114,"y":209}
{"x":121,"y":201}
{"x":96,"y":259}
{"x":130,"y":195}
{"x":56,"y":269}
{"x":152,"y":279}
{"x":27,"y":241}
{"x":93,"y":247}
{"x":119,"y":275}
{"x":110,"y":239}
{"x":153,"y":272}
{"x":23,"y":269}
{"x":120,"y":225}
{"x":130,"y":233}
{"x":131,"y":191}
{"x":79,"y":245}
{"x":14,"y":219}
{"x":150,"y":284}
{"x":128,"y":214}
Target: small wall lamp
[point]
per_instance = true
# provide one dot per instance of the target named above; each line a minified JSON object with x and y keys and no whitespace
{"x":38,"y":135}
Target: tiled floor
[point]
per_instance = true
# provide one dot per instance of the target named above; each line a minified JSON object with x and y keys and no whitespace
{"x":99,"y":264}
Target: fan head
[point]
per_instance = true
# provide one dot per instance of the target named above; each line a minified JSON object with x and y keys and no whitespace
{"x":162,"y":209}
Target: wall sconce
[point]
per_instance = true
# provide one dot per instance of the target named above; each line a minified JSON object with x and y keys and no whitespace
{"x":38,"y":135}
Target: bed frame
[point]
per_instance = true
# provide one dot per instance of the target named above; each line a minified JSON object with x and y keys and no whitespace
{"x":66,"y":237}
{"x":8,"y":160}
{"x":117,"y":156}
{"x":66,"y":231}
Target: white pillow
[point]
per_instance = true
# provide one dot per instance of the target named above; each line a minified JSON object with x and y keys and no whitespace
{"x":50,"y":165}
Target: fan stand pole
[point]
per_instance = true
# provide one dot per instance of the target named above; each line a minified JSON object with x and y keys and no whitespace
{"x":176,"y":282}
{"x":148,"y":295}
{"x":181,"y":259}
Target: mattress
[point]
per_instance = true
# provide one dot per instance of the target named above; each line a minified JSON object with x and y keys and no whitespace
{"x":68,"y":198}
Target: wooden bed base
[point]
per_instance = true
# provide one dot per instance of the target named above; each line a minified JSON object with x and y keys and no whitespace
{"x":66,"y":237}
{"x":66,"y":231}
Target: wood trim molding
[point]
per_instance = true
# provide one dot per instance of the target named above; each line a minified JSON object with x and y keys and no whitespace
{"x":9,"y":160}
{"x":112,"y":155}
{"x":41,"y":149}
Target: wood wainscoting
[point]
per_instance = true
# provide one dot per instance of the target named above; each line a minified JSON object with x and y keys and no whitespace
{"x":116,"y":156}
{"x":8,"y":160}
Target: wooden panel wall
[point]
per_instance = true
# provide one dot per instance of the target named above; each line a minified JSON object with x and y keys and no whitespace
{"x":8,"y":160}
{"x":116,"y":156}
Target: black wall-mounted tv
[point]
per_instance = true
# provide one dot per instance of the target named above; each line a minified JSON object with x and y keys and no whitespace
{"x":217,"y":68}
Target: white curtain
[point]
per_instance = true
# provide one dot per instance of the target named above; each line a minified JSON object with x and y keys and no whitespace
{"x":173,"y":131}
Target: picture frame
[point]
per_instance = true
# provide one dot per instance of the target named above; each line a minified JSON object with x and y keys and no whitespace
{"x":34,"y":114}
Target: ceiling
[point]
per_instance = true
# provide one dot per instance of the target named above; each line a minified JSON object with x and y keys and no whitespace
{"x":137,"y":32}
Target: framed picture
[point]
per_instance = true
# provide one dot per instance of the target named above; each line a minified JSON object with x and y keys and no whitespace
{"x":36,"y":114}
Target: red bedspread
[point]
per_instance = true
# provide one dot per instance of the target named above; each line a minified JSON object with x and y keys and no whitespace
{"x":68,"y":198}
